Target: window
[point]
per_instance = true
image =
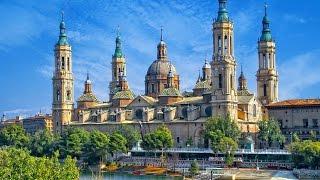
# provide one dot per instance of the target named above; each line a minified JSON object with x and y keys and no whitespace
{"x":225,"y":44}
{"x":68,"y":64}
{"x":208,"y":111}
{"x":178,"y":140}
{"x":315,"y":122}
{"x":305,"y":123}
{"x":62,"y":62}
{"x":231,"y":45}
{"x":152,"y":88}
{"x":264,"y":90}
{"x":58,"y":95}
{"x":231,"y":81}
{"x":69,"y":95}
{"x":264,"y":61}
{"x":254,"y":110}
{"x":219,"y":44}
{"x":139,"y":113}
{"x":220,"y":81}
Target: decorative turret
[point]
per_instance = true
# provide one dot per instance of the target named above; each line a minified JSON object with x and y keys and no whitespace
{"x":123,"y":83}
{"x":170,"y":78}
{"x":206,"y":71}
{"x":87,"y":85}
{"x":162,"y":48}
{"x":243,"y":84}
{"x":266,"y":32}
{"x":118,"y":51}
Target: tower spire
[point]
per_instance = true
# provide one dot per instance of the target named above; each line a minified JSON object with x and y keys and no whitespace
{"x":161,"y":37}
{"x":222,"y":13}
{"x":63,"y":36}
{"x":118,"y":51}
{"x":266,"y":32}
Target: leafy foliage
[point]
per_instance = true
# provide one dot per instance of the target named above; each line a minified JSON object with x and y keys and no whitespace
{"x":132,"y":135}
{"x":270,"y":132}
{"x":19,"y":164}
{"x":43,"y":143}
{"x":194,"y":168}
{"x":161,"y":138}
{"x":72,"y":142}
{"x":118,"y":143}
{"x":306,"y":154}
{"x":14,"y":135}
{"x":97,"y":146}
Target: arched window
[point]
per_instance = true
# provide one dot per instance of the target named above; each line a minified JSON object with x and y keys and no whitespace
{"x":69,"y":95}
{"x":152,"y":88}
{"x":264,"y":61}
{"x":264,"y":90}
{"x":58,"y":95}
{"x":254,"y":110}
{"x":208,"y":111}
{"x":62,"y":62}
{"x":139,"y":113}
{"x":220,"y":81}
{"x":219,"y":45}
{"x":231,"y":81}
{"x":68,"y":64}
{"x":231,"y":45}
{"x":225,"y":44}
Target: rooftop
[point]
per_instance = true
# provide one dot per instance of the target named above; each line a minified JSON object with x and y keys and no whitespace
{"x":296,"y":103}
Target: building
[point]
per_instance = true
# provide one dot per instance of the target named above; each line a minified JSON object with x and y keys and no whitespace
{"x":7,"y":122}
{"x":215,"y":93}
{"x":39,"y":122}
{"x":300,"y":116}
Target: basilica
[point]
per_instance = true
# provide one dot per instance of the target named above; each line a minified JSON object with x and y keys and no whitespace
{"x":217,"y":91}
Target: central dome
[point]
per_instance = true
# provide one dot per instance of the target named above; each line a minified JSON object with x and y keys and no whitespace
{"x":160,"y":67}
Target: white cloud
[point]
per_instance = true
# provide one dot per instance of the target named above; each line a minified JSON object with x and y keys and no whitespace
{"x":299,"y":73}
{"x":294,"y":18}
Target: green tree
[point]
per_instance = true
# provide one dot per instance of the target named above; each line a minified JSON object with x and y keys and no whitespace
{"x":131,"y":134}
{"x":160,"y":139}
{"x":270,"y":132}
{"x":14,"y":135}
{"x":96,"y":147}
{"x":19,"y":164}
{"x":72,"y":142}
{"x":194,"y":168}
{"x":295,"y":137}
{"x":43,"y":143}
{"x":313,"y":136}
{"x":306,"y":154}
{"x":117,"y":143}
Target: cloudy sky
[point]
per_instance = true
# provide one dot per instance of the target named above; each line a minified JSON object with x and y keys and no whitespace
{"x":29,"y":31}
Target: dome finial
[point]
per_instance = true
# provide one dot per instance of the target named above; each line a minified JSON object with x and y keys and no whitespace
{"x":62,"y":16}
{"x":63,"y":36}
{"x":222,"y":13}
{"x":88,"y":75}
{"x":161,"y":37}
{"x":265,"y":8}
{"x":118,"y":51}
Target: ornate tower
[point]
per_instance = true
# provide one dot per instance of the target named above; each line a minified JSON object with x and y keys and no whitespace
{"x":243,"y":84}
{"x":62,"y":81}
{"x":206,"y":71}
{"x":224,"y":93}
{"x":267,"y":75}
{"x":118,"y":65}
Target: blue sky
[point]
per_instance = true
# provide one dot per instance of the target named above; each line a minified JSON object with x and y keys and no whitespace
{"x":30,"y":29}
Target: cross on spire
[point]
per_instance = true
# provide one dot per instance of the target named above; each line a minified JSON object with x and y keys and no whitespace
{"x":118,"y":30}
{"x":161,"y":38}
{"x":265,"y":8}
{"x":62,"y":16}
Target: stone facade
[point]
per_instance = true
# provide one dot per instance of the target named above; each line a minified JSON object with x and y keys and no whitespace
{"x":300,"y":116}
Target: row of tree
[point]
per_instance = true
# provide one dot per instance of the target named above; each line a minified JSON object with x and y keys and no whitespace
{"x":74,"y":142}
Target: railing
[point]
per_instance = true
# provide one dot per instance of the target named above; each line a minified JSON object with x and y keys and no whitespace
{"x":209,"y":151}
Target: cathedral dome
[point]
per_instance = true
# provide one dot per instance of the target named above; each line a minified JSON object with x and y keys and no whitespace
{"x":159,"y":67}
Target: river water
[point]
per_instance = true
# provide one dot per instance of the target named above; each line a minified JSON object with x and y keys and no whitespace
{"x":125,"y":176}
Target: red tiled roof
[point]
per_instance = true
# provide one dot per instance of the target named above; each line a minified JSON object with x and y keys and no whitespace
{"x":296,"y":103}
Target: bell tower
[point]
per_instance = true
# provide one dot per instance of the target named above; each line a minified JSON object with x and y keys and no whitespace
{"x":267,"y":75}
{"x":224,"y":93}
{"x":118,"y":66}
{"x":62,"y":81}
